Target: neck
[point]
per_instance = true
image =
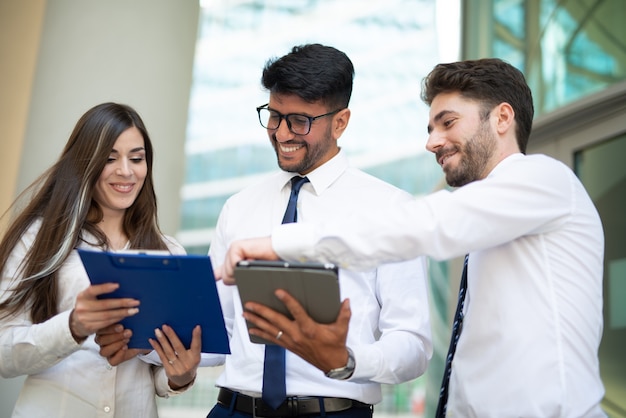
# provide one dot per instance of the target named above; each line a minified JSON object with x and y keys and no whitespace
{"x":112,"y":228}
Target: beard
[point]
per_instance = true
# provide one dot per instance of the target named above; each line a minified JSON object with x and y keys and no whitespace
{"x":314,"y":152}
{"x":475,"y":153}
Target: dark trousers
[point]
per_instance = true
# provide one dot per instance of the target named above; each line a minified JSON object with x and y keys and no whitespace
{"x":220,"y":411}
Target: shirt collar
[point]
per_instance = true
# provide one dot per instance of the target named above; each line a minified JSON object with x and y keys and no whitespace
{"x":506,"y":161}
{"x":322,"y":177}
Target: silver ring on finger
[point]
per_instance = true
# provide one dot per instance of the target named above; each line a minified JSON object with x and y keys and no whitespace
{"x":171,"y":361}
{"x":280,"y":334}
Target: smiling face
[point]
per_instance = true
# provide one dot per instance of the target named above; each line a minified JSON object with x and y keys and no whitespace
{"x":304,"y":153}
{"x":465,"y":145}
{"x":123,"y":175}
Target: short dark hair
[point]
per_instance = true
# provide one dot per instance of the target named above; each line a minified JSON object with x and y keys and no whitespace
{"x":314,"y":73}
{"x":490,"y":81}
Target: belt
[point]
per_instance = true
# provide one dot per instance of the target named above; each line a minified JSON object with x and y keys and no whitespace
{"x":293,"y":406}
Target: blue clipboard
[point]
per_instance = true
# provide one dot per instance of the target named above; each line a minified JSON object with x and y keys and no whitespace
{"x":177,"y":290}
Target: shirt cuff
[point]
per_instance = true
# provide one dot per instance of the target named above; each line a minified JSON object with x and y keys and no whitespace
{"x":367,"y":362}
{"x":63,"y":343}
{"x":162,"y":386}
{"x":183,"y":389}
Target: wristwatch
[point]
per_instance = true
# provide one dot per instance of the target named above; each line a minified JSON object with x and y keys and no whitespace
{"x":343,"y":373}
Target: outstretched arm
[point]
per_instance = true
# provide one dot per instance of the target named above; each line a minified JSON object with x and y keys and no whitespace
{"x":248,"y":249}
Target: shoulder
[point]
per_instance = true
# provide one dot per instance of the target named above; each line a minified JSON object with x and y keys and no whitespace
{"x":265,"y":183}
{"x":538,"y":167}
{"x":538,"y":179}
{"x":25,"y":241}
{"x":539,"y":160}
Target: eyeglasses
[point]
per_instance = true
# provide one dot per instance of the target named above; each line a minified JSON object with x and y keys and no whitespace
{"x":297,"y":124}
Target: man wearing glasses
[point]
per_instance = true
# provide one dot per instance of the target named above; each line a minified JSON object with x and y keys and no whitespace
{"x":327,"y":372}
{"x":297,"y":124}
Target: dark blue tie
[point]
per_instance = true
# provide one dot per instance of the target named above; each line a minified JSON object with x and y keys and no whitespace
{"x":274,"y":390}
{"x":457,"y":326}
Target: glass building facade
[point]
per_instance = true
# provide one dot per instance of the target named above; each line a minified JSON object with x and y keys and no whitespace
{"x":570,"y":51}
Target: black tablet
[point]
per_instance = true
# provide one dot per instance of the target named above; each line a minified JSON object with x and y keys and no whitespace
{"x":314,"y":285}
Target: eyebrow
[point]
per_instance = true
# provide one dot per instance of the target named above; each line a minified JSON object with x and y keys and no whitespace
{"x":288,"y":114}
{"x":438,"y":117}
{"x":138,"y":149}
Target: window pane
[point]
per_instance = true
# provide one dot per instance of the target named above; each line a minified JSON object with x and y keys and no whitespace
{"x":603,"y":173}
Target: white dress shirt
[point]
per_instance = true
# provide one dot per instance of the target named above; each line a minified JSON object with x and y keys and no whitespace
{"x":389,"y":328}
{"x":533,"y":312}
{"x":67,"y":379}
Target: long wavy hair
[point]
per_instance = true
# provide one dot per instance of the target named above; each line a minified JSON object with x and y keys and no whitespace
{"x":62,"y":198}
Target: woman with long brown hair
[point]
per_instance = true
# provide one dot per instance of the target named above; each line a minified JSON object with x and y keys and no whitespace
{"x":99,"y":195}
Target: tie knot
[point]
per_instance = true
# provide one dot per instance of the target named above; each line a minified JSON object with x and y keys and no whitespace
{"x":291,"y":213}
{"x":297,"y":182}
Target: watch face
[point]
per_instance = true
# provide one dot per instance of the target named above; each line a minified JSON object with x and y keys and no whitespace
{"x":343,"y":372}
{"x":340,"y":374}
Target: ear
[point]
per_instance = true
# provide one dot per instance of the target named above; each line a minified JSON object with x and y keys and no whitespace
{"x":505,"y":121}
{"x":340,"y":122}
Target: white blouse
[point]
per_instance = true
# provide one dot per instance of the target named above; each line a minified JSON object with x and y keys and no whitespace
{"x":66,"y":379}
